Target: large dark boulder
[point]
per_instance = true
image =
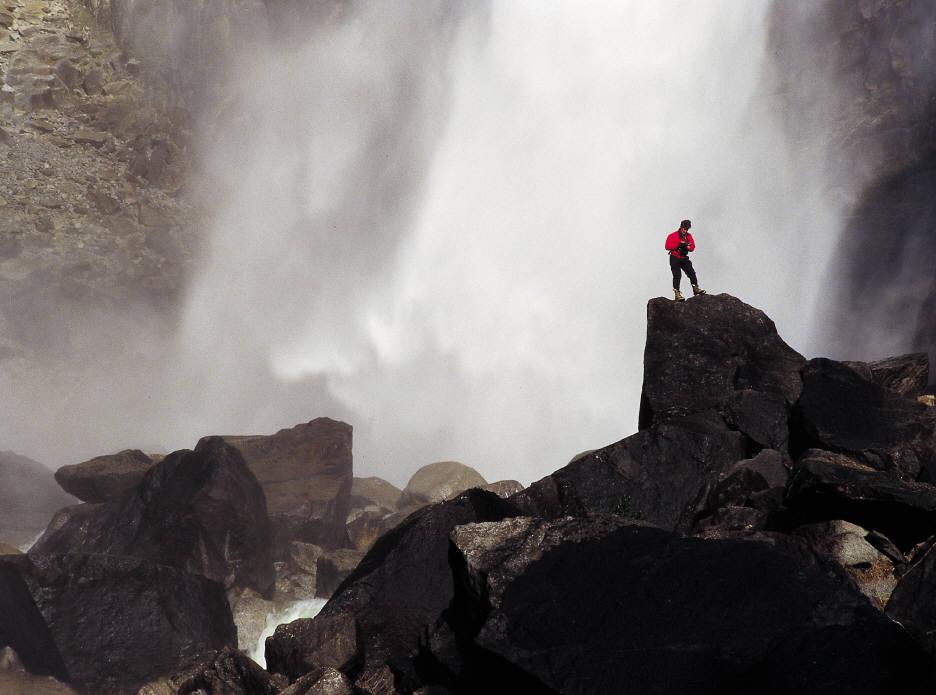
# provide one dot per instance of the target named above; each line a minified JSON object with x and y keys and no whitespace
{"x":306,"y":473}
{"x":602,"y":606}
{"x":826,"y":486}
{"x":845,"y":413}
{"x":29,"y":497}
{"x":202,"y":511}
{"x":717,"y":354}
{"x":104,"y":477}
{"x":662,"y":474}
{"x":22,"y":626}
{"x":223,"y":672}
{"x":911,"y":603}
{"x":401,"y":586}
{"x":119,"y":622}
{"x":907,"y":375}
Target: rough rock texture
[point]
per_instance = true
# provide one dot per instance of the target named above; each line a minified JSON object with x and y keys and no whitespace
{"x":746,"y":494}
{"x":437,"y":482}
{"x":189,"y":45}
{"x":907,"y":375}
{"x":723,"y":357}
{"x":662,"y":474}
{"x":29,"y":497}
{"x":332,"y":568}
{"x":871,"y":570}
{"x":202,"y":511}
{"x":249,"y":611}
{"x":911,"y":602}
{"x":120,"y":622}
{"x":365,"y":527}
{"x":842,"y":412}
{"x":504,"y":488}
{"x":297,"y":574}
{"x":400,"y":587}
{"x":326,"y":681}
{"x":826,"y":486}
{"x":24,"y":629}
{"x":689,"y":615}
{"x":223,"y":672}
{"x":306,"y":474}
{"x":104,"y":477}
{"x":78,"y":181}
{"x":376,"y":492}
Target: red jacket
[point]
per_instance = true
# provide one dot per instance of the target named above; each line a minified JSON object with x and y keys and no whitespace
{"x":673,"y":241}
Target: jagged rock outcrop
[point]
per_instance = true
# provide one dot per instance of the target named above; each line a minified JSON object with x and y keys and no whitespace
{"x":842,"y":412}
{"x":374,"y":492}
{"x":722,"y":357}
{"x":911,"y":603}
{"x":104,"y":477}
{"x":688,"y":615}
{"x":119,"y":622}
{"x":662,"y":474}
{"x":29,"y":497}
{"x":380,"y":610}
{"x":437,"y":482}
{"x":202,"y":511}
{"x":306,"y":473}
{"x":872,"y":571}
{"x":23,"y":628}
{"x":87,"y":162}
{"x":907,"y":375}
{"x":222,"y":672}
{"x":826,"y":485}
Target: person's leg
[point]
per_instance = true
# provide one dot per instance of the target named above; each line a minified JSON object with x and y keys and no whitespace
{"x":677,"y":273}
{"x":690,"y":271}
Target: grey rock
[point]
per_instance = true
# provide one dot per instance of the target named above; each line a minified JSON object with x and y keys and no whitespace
{"x":104,"y":477}
{"x":847,"y":544}
{"x":437,"y":482}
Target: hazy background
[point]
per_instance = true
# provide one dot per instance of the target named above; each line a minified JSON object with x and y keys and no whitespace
{"x":441,"y":222}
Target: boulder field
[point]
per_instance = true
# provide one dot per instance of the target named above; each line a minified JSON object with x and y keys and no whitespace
{"x":770,"y":528}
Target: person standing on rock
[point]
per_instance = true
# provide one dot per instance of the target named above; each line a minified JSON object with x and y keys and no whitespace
{"x":679,"y":244}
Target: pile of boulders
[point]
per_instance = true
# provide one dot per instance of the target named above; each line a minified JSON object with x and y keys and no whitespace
{"x":768,"y":529}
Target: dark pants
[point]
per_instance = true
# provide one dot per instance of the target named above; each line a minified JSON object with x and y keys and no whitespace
{"x":678,"y":265}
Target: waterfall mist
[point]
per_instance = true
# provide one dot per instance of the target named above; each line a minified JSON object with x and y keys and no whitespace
{"x":442,"y":222}
{"x":474,"y":286}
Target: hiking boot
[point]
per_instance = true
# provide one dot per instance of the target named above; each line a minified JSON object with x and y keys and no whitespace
{"x":679,"y":297}
{"x":696,"y":290}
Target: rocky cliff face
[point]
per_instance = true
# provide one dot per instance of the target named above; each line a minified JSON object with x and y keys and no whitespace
{"x":92,"y":222}
{"x":859,"y":76}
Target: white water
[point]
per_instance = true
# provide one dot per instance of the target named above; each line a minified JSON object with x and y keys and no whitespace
{"x":285,"y":613}
{"x":442,"y":222}
{"x":502,"y":320}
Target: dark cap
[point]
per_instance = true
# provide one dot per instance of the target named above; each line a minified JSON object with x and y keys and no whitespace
{"x":685,"y":224}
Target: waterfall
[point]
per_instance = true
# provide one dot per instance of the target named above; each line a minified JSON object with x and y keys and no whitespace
{"x":455,"y":243}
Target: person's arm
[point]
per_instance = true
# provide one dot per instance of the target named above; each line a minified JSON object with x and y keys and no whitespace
{"x":690,"y":242}
{"x":672,"y":242}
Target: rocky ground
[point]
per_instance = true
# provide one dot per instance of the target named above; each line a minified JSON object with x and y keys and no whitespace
{"x":770,"y":528}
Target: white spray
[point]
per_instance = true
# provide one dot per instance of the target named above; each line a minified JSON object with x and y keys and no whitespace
{"x":442,"y":223}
